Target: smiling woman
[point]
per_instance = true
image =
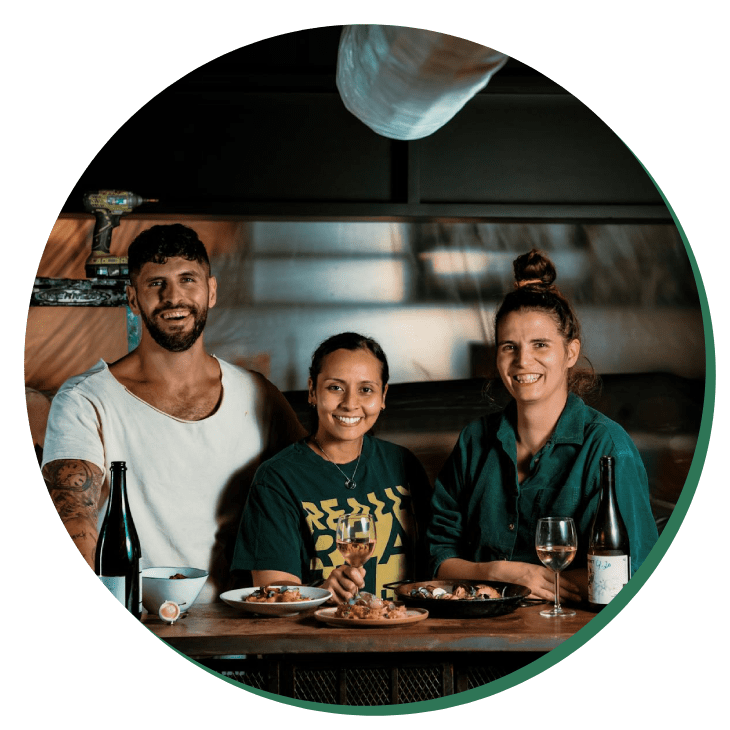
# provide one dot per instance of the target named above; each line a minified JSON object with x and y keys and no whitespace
{"x":348,"y":382}
{"x":536,"y":458}
{"x":533,"y":360}
{"x":287,"y":533}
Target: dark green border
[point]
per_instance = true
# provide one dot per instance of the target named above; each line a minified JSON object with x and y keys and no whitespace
{"x":74,"y":75}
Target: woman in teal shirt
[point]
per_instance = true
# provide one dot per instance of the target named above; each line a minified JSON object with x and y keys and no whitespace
{"x":538,"y":457}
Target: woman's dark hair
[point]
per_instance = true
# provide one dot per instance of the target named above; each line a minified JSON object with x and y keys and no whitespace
{"x":163,"y":242}
{"x":535,"y":291}
{"x":344,"y":341}
{"x":348,"y":341}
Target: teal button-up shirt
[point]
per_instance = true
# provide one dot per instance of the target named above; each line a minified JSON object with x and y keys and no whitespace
{"x":481,"y":513}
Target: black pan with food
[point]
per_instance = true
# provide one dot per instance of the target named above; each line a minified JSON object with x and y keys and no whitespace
{"x":511,"y":597}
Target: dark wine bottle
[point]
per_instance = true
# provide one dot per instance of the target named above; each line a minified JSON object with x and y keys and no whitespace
{"x":118,"y":550}
{"x":609,"y":557}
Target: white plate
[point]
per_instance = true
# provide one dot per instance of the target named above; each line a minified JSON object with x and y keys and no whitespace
{"x":314,"y":596}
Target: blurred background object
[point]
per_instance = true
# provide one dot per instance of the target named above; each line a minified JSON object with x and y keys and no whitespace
{"x":406,"y":83}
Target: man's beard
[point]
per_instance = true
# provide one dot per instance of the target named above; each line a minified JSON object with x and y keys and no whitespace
{"x":176,"y":341}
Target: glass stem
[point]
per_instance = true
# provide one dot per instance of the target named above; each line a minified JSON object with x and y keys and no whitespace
{"x":557,"y":591}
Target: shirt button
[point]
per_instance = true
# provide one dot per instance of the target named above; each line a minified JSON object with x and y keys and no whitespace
{"x":511,"y":526}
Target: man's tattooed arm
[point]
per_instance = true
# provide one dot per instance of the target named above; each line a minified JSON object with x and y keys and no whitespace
{"x":75,"y":486}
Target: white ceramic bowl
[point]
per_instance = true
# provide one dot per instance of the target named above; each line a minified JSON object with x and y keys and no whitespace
{"x":158,"y":587}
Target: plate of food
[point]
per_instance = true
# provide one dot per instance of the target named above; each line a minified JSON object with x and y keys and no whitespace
{"x":276,"y":600}
{"x":367,"y":611}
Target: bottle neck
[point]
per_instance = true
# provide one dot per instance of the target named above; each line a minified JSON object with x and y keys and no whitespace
{"x":118,"y":486}
{"x":608,"y":486}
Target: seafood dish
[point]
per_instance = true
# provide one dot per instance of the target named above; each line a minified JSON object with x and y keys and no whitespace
{"x":461,"y":598}
{"x":368,"y":606}
{"x":272,"y":594}
{"x":459,"y":592}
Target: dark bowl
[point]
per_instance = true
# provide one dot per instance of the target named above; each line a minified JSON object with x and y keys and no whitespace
{"x":512,"y":595}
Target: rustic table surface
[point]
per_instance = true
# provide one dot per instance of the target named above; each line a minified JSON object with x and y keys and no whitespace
{"x":221,"y":630}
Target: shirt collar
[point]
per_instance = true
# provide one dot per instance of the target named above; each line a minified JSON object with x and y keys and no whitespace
{"x":570,"y":428}
{"x":571,"y":424}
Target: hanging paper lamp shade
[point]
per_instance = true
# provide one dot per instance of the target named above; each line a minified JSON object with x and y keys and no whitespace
{"x":406,"y":83}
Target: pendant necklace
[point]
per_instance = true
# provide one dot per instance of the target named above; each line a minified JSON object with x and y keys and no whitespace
{"x":349,"y":482}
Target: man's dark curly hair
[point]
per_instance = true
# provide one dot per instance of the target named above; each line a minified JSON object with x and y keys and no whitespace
{"x":162,"y":242}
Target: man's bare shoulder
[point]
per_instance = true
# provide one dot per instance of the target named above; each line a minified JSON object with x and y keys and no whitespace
{"x":260,"y":380}
{"x":265,"y":387}
{"x":253,"y":377}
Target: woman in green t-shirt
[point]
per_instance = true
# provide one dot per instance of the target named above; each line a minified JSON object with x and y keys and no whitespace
{"x":287,"y":532}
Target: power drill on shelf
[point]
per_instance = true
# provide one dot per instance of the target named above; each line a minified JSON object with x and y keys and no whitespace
{"x":108,"y":206}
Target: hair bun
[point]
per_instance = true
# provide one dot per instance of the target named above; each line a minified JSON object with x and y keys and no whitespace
{"x":534,"y":267}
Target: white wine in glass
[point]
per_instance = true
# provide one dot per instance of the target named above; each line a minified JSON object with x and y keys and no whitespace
{"x":556,"y":542}
{"x":356,"y":538}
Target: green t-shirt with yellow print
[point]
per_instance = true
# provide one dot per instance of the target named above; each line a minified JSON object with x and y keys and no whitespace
{"x":288,"y":522}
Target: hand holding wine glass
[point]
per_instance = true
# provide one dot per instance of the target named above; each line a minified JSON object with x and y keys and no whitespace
{"x":556,"y":542}
{"x":356,"y":538}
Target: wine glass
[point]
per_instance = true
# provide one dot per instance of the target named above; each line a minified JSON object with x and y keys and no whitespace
{"x":356,"y":538}
{"x":556,"y":542}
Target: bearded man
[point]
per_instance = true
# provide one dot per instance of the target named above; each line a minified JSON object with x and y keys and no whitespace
{"x":191,"y":427}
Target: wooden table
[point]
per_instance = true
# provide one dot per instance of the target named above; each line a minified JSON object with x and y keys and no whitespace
{"x":303,"y":658}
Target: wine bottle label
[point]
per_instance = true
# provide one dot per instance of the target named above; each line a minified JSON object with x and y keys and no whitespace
{"x":607,"y":575}
{"x":116,"y":584}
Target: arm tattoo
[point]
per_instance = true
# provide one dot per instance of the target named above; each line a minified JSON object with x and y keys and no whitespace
{"x":70,"y":474}
{"x":75,"y":487}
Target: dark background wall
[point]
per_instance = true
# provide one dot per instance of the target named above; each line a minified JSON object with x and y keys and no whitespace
{"x":262,"y":132}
